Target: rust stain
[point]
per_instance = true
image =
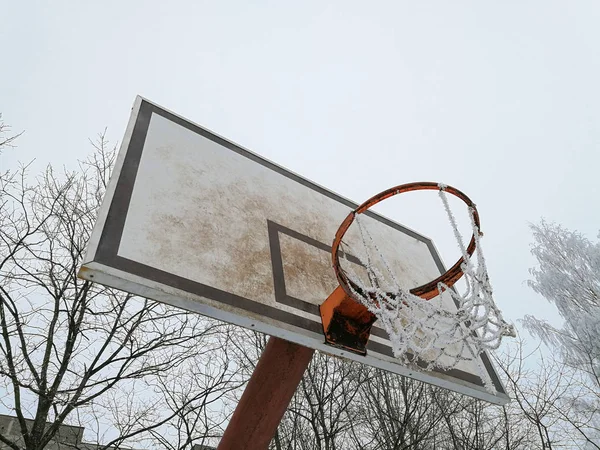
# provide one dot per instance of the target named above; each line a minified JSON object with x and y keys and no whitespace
{"x":307,"y":270}
{"x":82,"y":273}
{"x":218,"y":235}
{"x":221,"y":236}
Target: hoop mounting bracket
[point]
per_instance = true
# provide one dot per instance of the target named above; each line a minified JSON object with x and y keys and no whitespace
{"x":346,"y":323}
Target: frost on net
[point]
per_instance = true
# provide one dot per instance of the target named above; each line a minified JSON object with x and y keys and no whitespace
{"x":431,"y":331}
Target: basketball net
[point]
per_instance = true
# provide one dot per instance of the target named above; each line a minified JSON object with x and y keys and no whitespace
{"x":432,"y":333}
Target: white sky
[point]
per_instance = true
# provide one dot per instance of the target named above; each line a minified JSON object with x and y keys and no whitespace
{"x":500,"y":99}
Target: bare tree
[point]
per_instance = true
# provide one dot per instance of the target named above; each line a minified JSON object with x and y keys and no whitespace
{"x":129,"y":369}
{"x":328,"y":392}
{"x":6,"y":138}
{"x":395,"y":413}
{"x":545,"y":393}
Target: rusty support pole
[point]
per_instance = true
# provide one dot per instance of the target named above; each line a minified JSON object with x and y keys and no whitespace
{"x":267,"y":395}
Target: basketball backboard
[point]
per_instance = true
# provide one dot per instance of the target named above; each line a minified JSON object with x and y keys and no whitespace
{"x":195,"y":221}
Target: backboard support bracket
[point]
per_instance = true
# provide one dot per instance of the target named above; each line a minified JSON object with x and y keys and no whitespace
{"x":346,"y":323}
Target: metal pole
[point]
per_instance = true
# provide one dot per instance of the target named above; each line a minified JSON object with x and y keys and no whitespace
{"x":267,"y":395}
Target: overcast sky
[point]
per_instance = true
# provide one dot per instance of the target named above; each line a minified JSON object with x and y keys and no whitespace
{"x":500,"y":99}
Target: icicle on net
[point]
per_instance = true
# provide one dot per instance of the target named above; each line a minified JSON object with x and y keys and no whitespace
{"x":431,"y":332}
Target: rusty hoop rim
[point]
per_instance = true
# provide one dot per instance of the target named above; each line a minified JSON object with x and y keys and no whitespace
{"x":426,"y":291}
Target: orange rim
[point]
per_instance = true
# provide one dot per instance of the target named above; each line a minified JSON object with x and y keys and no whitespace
{"x":428,"y":290}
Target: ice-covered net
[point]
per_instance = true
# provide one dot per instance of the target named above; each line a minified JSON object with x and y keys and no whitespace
{"x":434,"y":332}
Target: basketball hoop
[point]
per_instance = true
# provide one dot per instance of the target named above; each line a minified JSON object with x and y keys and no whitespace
{"x":420,"y":326}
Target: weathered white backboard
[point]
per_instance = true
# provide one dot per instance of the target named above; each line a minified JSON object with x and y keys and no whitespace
{"x":196,"y":221}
